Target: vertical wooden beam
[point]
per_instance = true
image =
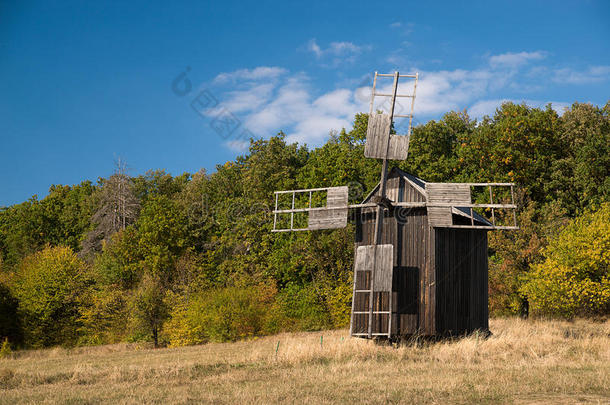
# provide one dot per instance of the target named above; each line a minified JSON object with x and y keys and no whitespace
{"x":382,"y":193}
{"x":275,"y":213}
{"x":351,"y":318}
{"x":430,"y":286}
{"x":411,"y":115}
{"x":292,"y":213}
{"x":373,"y":95}
{"x":512,"y":198}
{"x":491,"y":201}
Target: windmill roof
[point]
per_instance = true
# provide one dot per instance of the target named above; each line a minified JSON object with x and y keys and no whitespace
{"x":420,"y":186}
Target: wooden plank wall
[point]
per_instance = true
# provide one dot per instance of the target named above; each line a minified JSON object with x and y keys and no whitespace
{"x":409,"y":231}
{"x":461,"y":281}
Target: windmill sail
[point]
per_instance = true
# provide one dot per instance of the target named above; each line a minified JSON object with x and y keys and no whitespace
{"x":332,"y":215}
{"x":380,"y":142}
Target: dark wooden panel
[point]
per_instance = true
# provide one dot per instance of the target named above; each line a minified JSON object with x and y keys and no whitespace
{"x":461,"y":281}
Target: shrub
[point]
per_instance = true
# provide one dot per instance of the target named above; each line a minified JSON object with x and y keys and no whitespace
{"x":339,"y":300}
{"x":5,"y":349}
{"x":220,"y":315}
{"x":104,"y":316}
{"x":574,"y":278}
{"x":302,"y":308}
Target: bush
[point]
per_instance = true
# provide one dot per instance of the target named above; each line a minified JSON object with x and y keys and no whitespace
{"x":339,"y":300}
{"x":49,"y":285}
{"x":104,"y":316}
{"x":574,"y":278}
{"x":302,"y":308}
{"x":220,"y":315}
{"x":5,"y":349}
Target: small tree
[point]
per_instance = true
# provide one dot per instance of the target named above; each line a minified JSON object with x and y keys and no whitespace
{"x":149,"y":309}
{"x":49,"y":285}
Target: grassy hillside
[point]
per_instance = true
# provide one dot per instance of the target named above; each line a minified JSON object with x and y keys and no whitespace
{"x":523,"y":362}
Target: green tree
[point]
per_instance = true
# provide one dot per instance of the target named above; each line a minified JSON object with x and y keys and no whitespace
{"x":433,"y":147}
{"x":518,"y":145}
{"x":162,"y":236}
{"x":581,"y":176}
{"x":61,"y":218}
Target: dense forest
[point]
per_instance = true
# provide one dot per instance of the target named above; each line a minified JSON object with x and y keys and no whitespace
{"x":191,"y":259}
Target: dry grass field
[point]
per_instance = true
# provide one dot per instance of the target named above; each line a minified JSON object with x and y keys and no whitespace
{"x":524,"y":362}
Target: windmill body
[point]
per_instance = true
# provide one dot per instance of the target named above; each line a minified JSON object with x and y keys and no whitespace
{"x":420,"y":264}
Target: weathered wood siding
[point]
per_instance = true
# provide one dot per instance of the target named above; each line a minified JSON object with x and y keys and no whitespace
{"x":439,"y":283}
{"x":409,"y":231}
{"x":461,"y":280}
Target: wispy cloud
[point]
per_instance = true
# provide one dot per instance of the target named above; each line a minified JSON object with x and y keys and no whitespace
{"x":290,"y":104}
{"x":336,"y":52}
{"x":593,"y":74}
{"x":402,"y":28}
{"x":513,"y":60}
{"x":274,"y":99}
{"x":262,"y":72}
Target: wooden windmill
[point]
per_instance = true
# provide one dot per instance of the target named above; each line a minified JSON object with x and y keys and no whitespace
{"x":420,"y":261}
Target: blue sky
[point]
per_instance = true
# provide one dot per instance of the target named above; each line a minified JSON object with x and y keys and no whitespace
{"x":83,"y":83}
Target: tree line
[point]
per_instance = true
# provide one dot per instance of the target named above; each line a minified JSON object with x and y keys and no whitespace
{"x":189,"y":259}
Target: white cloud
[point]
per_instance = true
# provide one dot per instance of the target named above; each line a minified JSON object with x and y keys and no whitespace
{"x":262,"y":72}
{"x":336,"y":52}
{"x":404,"y":29}
{"x":593,"y":74}
{"x":264,"y":108}
{"x":253,"y":97}
{"x":513,"y":60}
{"x":335,"y":48}
{"x":274,"y":99}
{"x":315,"y":48}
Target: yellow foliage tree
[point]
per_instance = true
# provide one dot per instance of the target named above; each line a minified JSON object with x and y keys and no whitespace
{"x":574,"y":278}
{"x":49,"y":286}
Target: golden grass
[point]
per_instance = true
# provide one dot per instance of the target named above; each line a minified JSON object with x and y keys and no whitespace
{"x":523,"y":362}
